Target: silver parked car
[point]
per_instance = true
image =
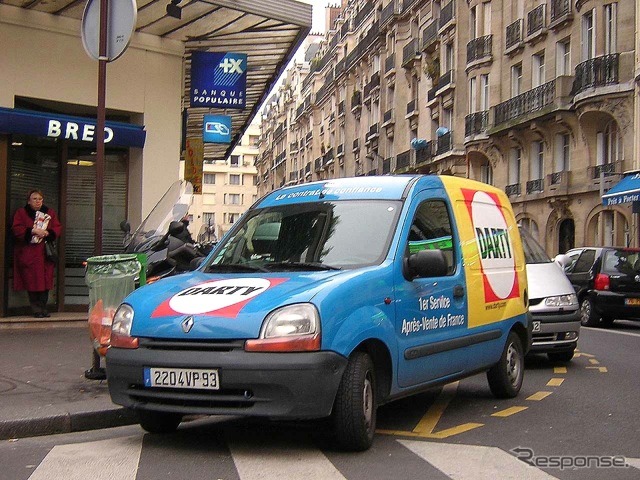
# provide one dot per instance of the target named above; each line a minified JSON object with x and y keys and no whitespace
{"x":552,"y":302}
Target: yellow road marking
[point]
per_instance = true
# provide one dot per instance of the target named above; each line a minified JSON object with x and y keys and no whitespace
{"x":576,"y":355}
{"x":465,"y":427}
{"x":428,"y":423}
{"x":601,"y":369}
{"x":560,"y":370}
{"x":555,"y":382}
{"x":509,"y":411}
{"x":539,"y":396}
{"x":593,"y":361}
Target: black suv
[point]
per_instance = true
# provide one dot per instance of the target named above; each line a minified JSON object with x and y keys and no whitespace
{"x":607,"y":282}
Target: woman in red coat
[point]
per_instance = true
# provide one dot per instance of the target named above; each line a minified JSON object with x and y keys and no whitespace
{"x":33,"y":225}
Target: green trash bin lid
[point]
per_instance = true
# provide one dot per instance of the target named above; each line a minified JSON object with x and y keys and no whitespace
{"x":106,"y":259}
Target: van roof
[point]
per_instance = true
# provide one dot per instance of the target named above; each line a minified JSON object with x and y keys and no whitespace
{"x":391,"y":187}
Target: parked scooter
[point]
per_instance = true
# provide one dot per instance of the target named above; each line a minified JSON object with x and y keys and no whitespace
{"x":157,"y":236}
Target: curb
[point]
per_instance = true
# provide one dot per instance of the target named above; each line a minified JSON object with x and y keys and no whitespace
{"x":66,"y":423}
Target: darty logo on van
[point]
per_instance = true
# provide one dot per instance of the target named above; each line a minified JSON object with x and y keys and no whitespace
{"x":494,"y":245}
{"x":224,"y":298}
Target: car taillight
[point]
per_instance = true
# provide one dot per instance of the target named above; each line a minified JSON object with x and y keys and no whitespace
{"x":601,"y":282}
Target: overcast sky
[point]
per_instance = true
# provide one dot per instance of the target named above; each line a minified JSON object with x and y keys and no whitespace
{"x":318,"y":13}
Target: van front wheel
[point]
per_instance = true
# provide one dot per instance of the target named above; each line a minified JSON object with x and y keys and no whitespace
{"x":505,"y":377}
{"x":353,"y":420}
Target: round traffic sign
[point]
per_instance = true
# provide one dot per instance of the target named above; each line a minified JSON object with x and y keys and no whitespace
{"x":121,"y":22}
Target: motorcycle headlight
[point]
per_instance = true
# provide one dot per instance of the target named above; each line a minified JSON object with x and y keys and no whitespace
{"x":293,"y":328}
{"x":570,"y":300}
{"x":121,"y":328}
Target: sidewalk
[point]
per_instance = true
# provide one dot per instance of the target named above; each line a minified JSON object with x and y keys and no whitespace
{"x":42,"y":385}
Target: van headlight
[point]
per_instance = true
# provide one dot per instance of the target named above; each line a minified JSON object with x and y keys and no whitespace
{"x":293,"y":328}
{"x":121,"y":328}
{"x":570,"y":300}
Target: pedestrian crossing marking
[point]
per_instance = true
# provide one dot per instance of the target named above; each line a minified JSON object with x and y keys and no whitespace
{"x":593,"y":361}
{"x":634,"y":462}
{"x":509,"y":411}
{"x":428,"y":423}
{"x":472,"y":462}
{"x":559,"y":370}
{"x":600,"y":369}
{"x":555,"y":382}
{"x":116,"y":458}
{"x":536,"y":397}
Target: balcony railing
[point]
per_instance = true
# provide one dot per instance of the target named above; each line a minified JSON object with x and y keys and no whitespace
{"x":307,"y":169}
{"x":512,"y":190}
{"x":363,"y":13}
{"x":597,"y":72}
{"x":535,"y":20}
{"x":479,"y":48}
{"x":534,"y":186}
{"x":318,"y":164}
{"x":344,"y":30}
{"x":410,"y":52}
{"x":514,"y":34}
{"x":425,"y":154}
{"x":341,"y":108}
{"x":293,"y":176}
{"x":403,"y":160}
{"x":390,"y":63}
{"x":429,"y":34}
{"x":356,"y":99}
{"x":387,"y":117}
{"x":386,"y":166}
{"x":328,"y":157}
{"x":444,"y":80}
{"x":412,"y":107}
{"x":340,"y":68}
{"x":388,"y":12}
{"x":559,"y":9}
{"x":444,"y":143}
{"x":356,"y":144}
{"x":476,"y":123}
{"x":373,"y":130}
{"x":446,"y":14}
{"x":606,"y":170}
{"x":525,"y":103}
{"x":406,"y":4}
{"x":340,"y":150}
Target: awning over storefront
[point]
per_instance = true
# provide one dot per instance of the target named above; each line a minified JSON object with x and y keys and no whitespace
{"x":626,"y":190}
{"x":53,"y":125}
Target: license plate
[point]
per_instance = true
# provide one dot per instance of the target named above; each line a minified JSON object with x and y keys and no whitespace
{"x":198,"y":379}
{"x":632,"y":301}
{"x":536,"y":326}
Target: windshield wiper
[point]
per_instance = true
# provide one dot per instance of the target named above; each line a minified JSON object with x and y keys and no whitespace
{"x":301,"y":266}
{"x":230,"y":267}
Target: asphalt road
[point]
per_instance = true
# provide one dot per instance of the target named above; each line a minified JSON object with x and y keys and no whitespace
{"x":584,"y":412}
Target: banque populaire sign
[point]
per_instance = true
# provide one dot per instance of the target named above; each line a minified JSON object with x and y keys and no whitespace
{"x":218,"y":79}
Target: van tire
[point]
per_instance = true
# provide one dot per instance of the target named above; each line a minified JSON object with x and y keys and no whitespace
{"x":353,"y":421}
{"x":158,"y":422}
{"x":588,"y":315}
{"x":565,"y":356}
{"x":505,"y":377}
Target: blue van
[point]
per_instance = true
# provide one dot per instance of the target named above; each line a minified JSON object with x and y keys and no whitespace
{"x":328,"y":299}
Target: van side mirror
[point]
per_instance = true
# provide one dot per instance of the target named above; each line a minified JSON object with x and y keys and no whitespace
{"x":425,"y":263}
{"x":125,"y":227}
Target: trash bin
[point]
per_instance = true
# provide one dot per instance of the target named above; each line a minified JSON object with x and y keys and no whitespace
{"x":110,"y":279}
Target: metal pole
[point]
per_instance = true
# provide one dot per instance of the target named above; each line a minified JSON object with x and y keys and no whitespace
{"x":102,"y":85}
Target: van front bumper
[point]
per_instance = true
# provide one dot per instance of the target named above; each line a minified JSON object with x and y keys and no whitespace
{"x":556,"y":332}
{"x":275,"y":385}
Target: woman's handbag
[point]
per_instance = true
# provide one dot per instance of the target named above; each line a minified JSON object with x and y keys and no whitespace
{"x":51,"y":251}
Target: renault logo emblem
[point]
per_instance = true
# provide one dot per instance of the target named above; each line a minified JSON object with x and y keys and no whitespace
{"x":187,"y":324}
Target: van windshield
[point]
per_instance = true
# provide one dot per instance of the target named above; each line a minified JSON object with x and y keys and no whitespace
{"x":533,"y":251}
{"x":309,"y":236}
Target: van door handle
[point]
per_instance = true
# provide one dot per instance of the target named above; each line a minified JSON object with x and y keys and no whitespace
{"x":458,"y":291}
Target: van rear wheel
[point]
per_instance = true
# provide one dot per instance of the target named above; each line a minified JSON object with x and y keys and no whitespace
{"x":505,"y":377}
{"x":158,"y":422}
{"x":353,"y":421}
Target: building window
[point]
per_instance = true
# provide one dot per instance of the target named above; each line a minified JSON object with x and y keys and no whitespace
{"x":449,"y":56}
{"x":484,"y":92}
{"x":472,"y":94}
{"x":232,"y":217}
{"x":608,"y":228}
{"x":563,"y":151}
{"x":515,"y":158}
{"x":537,"y":160}
{"x":235,"y":160}
{"x":530,"y":226}
{"x":255,"y":180}
{"x":486,"y":173}
{"x":232,"y":199}
{"x":538,"y":70}
{"x":563,"y":58}
{"x":234,"y":179}
{"x":473,"y":23}
{"x":516,"y":80}
{"x":588,"y":35}
{"x":208,"y":218}
{"x":253,"y":140}
{"x":209,"y":178}
{"x":610,"y":28}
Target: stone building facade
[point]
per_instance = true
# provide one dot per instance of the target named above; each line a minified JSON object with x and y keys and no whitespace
{"x":537,"y":97}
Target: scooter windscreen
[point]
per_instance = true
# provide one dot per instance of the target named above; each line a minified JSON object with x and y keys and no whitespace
{"x":173,"y":206}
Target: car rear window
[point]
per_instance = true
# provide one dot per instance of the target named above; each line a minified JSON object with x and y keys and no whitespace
{"x":625,"y":262}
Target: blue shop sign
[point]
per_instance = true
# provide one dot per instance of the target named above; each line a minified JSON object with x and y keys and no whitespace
{"x":53,"y":125}
{"x":218,"y":79}
{"x":216,"y":129}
